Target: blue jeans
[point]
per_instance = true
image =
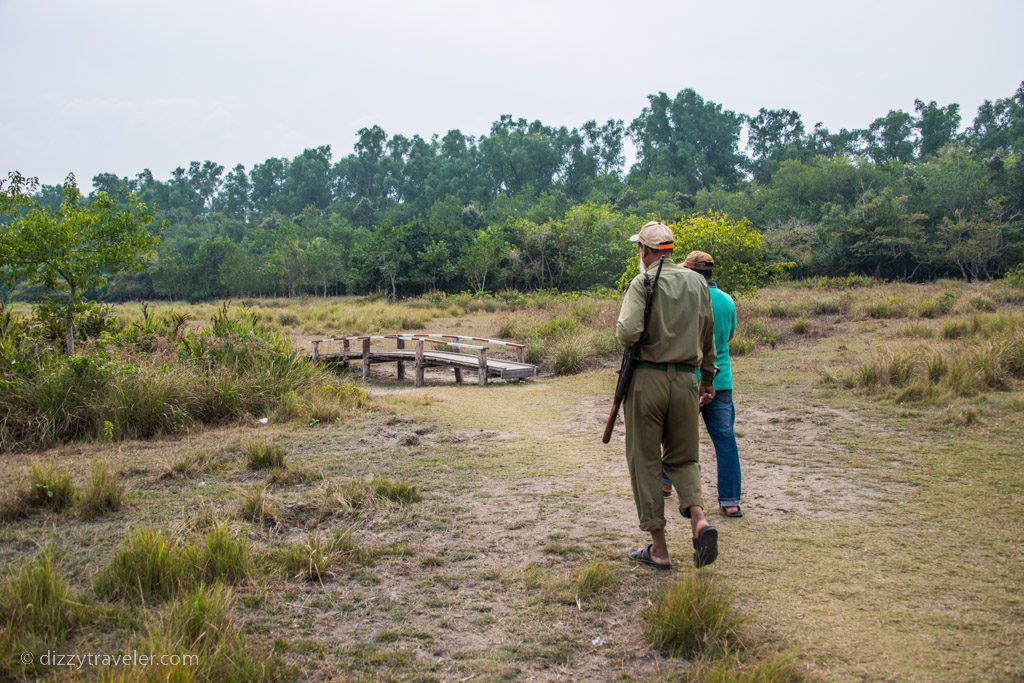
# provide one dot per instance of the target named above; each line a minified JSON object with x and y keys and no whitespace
{"x":719,"y":418}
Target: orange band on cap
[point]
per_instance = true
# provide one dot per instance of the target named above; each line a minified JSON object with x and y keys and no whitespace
{"x":666,"y":245}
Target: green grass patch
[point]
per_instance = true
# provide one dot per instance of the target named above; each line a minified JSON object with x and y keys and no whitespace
{"x":692,"y":617}
{"x":104,"y":492}
{"x":263,"y":455}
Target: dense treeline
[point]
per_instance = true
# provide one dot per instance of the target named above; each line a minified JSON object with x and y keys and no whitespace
{"x":912,"y":195}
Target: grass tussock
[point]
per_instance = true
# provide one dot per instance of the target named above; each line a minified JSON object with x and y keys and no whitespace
{"x":104,"y":492}
{"x":595,"y":583}
{"x":292,"y":475}
{"x":263,"y":455}
{"x":320,"y":555}
{"x":257,"y":507}
{"x":146,"y":567}
{"x":775,"y":667}
{"x":692,"y":617}
{"x":195,"y":462}
{"x":219,"y":556}
{"x":198,"y":627}
{"x":150,"y":567}
{"x":38,"y":610}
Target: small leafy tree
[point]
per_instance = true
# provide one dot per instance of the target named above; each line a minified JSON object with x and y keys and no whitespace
{"x":75,"y":247}
{"x":741,"y":263}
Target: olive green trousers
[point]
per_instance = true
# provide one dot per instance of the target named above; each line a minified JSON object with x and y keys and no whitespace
{"x":661,"y":435}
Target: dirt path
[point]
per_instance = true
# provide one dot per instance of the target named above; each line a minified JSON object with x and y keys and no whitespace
{"x":520,"y":487}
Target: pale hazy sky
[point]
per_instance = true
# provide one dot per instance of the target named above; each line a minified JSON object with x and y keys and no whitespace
{"x":118,"y":86}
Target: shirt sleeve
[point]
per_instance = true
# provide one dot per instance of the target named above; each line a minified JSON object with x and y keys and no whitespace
{"x":630,"y":324}
{"x":707,"y":338}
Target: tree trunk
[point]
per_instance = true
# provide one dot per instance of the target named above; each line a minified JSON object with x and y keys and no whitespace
{"x":69,"y":326}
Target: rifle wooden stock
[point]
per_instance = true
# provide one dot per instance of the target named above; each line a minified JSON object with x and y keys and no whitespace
{"x":612,"y":417}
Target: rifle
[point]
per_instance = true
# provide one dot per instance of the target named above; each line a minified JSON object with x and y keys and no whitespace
{"x":631,"y":355}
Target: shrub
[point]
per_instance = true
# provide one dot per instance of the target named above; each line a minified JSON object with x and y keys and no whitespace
{"x":146,"y":567}
{"x":1015,"y":278}
{"x":104,"y":493}
{"x":801,"y":326}
{"x":263,"y":455}
{"x":983,"y":304}
{"x":692,"y":617}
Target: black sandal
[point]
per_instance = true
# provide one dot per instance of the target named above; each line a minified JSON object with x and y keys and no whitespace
{"x":705,"y":546}
{"x":738,"y":513}
{"x":643,"y":556}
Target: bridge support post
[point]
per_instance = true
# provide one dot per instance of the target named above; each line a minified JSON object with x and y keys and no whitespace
{"x":401,"y":364}
{"x":366,"y":358}
{"x":483,"y":367}
{"x":419,"y":363}
{"x":458,"y":375}
{"x":316,"y":350}
{"x":344,"y":353}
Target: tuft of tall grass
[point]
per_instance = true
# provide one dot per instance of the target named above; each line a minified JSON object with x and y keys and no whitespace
{"x":320,"y":555}
{"x":777,"y":667}
{"x":570,"y":355}
{"x":104,"y":492}
{"x":887,"y":307}
{"x":218,"y":557}
{"x":395,"y":491}
{"x":692,"y":617}
{"x":38,"y":601}
{"x":51,"y":488}
{"x":595,"y":579}
{"x":263,"y":455}
{"x":147,"y":566}
{"x":198,"y":623}
{"x":195,"y":461}
{"x":257,"y":507}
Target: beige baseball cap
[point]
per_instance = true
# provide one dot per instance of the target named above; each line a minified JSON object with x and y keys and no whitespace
{"x":655,"y":235}
{"x":699,"y":260}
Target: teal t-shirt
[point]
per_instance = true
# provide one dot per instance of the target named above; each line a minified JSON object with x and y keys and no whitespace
{"x":724,"y":310}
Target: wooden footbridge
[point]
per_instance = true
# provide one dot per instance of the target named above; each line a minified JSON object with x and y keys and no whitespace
{"x":426,"y":351}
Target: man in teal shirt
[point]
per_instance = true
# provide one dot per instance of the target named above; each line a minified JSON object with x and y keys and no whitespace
{"x":719,"y":414}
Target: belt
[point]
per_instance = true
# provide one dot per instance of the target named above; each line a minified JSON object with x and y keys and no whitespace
{"x":651,"y":365}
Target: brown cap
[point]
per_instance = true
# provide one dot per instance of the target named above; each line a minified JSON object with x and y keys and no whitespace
{"x":655,"y":235}
{"x":699,"y":260}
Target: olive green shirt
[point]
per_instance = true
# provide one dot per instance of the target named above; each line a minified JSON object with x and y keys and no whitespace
{"x":682,"y":326}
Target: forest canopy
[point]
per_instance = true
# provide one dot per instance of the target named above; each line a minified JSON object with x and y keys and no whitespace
{"x":912,"y":195}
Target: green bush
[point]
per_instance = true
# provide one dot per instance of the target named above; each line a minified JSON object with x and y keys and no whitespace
{"x":570,"y":355}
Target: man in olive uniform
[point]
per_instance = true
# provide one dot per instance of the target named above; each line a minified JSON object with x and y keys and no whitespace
{"x":662,"y":402}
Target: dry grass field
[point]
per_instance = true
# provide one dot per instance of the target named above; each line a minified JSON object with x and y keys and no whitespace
{"x":457,"y":532}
